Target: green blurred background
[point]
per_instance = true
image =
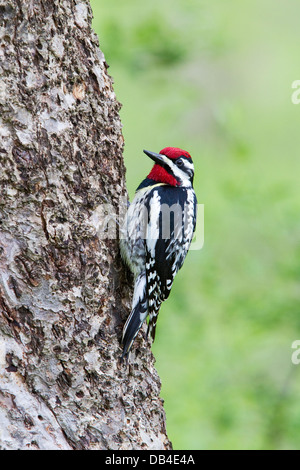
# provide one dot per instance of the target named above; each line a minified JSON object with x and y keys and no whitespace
{"x":215,"y":78}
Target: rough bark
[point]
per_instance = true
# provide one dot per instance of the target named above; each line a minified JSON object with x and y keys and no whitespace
{"x":64,"y":294}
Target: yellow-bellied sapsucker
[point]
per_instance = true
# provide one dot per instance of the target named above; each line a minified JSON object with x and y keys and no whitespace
{"x":156,"y":236}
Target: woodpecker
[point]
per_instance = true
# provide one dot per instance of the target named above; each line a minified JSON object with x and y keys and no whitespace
{"x":156,"y":236}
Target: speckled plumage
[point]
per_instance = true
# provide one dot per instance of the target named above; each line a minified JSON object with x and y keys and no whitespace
{"x":156,"y":236}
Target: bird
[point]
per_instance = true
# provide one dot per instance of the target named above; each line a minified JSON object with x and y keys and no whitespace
{"x":156,"y":235}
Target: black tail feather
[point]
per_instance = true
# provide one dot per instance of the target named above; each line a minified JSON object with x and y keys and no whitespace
{"x":138,"y":314}
{"x":131,"y":329}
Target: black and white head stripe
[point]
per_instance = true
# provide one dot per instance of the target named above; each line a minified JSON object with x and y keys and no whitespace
{"x":181,"y":168}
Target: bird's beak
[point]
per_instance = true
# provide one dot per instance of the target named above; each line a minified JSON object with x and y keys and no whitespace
{"x":156,"y":157}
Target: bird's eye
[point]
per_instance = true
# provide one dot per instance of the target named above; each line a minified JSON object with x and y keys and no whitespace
{"x":179,"y":162}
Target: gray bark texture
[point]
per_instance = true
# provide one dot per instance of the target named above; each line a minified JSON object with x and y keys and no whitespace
{"x":64,"y":293}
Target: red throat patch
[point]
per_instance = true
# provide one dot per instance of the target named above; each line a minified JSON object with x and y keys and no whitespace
{"x":160,"y":175}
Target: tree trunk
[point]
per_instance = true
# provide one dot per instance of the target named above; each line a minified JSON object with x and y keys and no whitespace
{"x":64,"y":294}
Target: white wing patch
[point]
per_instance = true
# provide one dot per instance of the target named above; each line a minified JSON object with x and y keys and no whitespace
{"x":152,"y":234}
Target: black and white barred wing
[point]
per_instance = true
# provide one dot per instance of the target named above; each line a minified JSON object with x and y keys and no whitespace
{"x":170,"y":232}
